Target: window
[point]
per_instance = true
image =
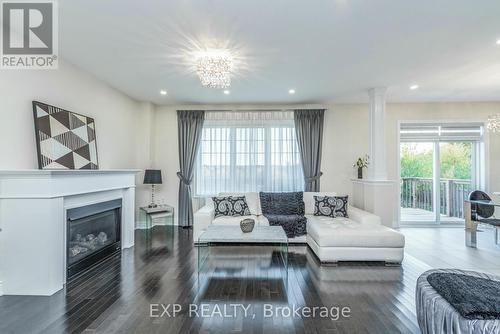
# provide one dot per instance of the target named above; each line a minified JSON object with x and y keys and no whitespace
{"x":243,"y":151}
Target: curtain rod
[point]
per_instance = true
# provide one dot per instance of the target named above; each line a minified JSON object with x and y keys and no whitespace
{"x":256,"y":110}
{"x":253,"y":109}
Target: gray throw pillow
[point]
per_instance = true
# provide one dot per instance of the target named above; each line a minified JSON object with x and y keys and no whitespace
{"x":331,"y":206}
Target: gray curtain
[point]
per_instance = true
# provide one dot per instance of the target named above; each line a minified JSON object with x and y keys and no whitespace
{"x":190,"y":126}
{"x":309,"y":130}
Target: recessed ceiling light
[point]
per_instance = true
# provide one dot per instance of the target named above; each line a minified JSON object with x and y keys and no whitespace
{"x":291,"y":91}
{"x":413,"y":87}
{"x":163,"y":92}
{"x":227,"y":92}
{"x":498,"y":42}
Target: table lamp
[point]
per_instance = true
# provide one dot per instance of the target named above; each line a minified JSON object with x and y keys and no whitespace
{"x":152,"y":177}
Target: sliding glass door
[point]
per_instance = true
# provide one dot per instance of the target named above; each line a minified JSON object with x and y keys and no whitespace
{"x":456,"y":167}
{"x":440,"y":165}
{"x":417,"y":182}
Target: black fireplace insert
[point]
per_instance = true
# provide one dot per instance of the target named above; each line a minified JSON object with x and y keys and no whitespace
{"x":93,"y":234}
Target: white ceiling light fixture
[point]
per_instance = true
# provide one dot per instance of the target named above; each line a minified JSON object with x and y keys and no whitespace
{"x":227,"y":92}
{"x":291,"y":91}
{"x":493,"y":124}
{"x":414,"y":87}
{"x":163,"y":92}
{"x":498,"y":41}
{"x":214,"y":67}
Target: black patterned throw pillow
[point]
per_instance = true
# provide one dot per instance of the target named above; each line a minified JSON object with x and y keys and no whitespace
{"x":231,"y":206}
{"x":240,"y":206}
{"x":222,"y":206}
{"x":331,"y":206}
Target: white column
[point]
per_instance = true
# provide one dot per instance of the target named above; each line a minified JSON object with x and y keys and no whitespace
{"x":377,"y":194}
{"x":378,"y":167}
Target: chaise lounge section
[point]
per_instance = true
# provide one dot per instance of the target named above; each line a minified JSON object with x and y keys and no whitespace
{"x":360,"y":237}
{"x":348,"y":239}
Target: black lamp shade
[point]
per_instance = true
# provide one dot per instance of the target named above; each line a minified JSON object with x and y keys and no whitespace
{"x":152,"y":176}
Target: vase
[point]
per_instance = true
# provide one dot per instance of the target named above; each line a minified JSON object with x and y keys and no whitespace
{"x":360,"y":173}
{"x":247,"y":225}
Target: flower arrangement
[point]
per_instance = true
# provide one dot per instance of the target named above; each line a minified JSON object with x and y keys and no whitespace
{"x":362,"y":163}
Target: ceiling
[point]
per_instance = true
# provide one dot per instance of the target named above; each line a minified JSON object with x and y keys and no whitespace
{"x":327,"y":50}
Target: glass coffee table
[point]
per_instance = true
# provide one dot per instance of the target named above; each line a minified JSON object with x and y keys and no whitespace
{"x":225,"y":252}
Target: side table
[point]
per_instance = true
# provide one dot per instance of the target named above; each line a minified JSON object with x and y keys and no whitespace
{"x":147,"y":217}
{"x":164,"y":212}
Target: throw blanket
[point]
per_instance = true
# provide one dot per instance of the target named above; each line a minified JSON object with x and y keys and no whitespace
{"x":473,"y":297}
{"x":285,"y":210}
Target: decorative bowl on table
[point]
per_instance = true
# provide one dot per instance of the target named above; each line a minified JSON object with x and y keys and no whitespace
{"x":247,"y":225}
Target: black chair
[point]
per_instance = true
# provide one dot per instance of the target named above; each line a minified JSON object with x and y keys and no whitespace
{"x":484,"y":213}
{"x":482,"y":210}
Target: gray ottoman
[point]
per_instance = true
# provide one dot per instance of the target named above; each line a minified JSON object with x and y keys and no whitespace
{"x":437,"y":316}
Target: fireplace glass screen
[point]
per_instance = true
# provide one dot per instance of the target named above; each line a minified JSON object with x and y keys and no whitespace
{"x":93,"y":233}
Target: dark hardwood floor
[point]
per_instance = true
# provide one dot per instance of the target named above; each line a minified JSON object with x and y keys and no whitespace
{"x":116,"y":297}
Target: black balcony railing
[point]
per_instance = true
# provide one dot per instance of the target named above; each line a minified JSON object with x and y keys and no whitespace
{"x":417,"y":193}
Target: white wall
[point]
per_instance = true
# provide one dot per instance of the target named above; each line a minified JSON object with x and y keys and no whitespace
{"x":118,"y":117}
{"x":122,"y":124}
{"x":345,"y":138}
{"x":144,"y":151}
{"x":166,"y":154}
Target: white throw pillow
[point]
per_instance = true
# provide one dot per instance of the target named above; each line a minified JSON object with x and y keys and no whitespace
{"x":253,"y":201}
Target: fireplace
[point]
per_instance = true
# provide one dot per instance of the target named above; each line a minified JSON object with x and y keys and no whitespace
{"x":93,"y":234}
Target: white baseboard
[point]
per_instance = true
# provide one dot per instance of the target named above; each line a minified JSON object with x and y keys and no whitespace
{"x":1,"y":288}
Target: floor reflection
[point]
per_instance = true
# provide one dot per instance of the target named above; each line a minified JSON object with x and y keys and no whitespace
{"x":88,"y":295}
{"x":116,"y":296}
{"x":238,"y":289}
{"x":157,"y":242}
{"x":242,"y":272}
{"x":152,"y":285}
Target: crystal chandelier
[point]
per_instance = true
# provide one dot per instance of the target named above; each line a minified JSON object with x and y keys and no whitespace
{"x":214,"y":68}
{"x":493,"y":123}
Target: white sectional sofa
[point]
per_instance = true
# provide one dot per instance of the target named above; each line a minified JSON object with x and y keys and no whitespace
{"x":361,"y":237}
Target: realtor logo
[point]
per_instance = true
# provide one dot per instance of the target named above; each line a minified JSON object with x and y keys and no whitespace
{"x":29,"y":35}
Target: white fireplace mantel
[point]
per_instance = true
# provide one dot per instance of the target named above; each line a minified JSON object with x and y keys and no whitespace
{"x":33,"y":206}
{"x":33,"y":183}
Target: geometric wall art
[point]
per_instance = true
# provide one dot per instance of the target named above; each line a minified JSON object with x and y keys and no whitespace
{"x":64,"y":139}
